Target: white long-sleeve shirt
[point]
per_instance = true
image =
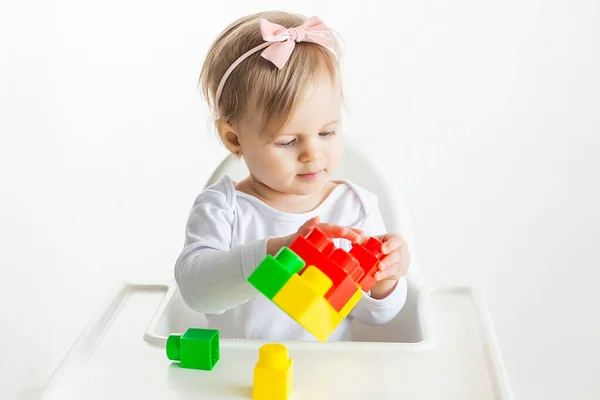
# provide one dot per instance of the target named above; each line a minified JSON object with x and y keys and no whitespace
{"x":225,"y":240}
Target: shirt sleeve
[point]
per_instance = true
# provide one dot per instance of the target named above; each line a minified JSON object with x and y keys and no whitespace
{"x":211,"y":276}
{"x":370,"y":311}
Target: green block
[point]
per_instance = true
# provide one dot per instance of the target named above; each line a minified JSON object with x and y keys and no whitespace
{"x":196,"y":348}
{"x":274,"y":272}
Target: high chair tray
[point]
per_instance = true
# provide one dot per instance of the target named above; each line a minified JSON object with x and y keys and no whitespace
{"x":458,"y":359}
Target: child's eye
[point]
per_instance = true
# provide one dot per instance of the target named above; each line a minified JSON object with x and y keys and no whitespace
{"x":287,"y":144}
{"x":328,"y":133}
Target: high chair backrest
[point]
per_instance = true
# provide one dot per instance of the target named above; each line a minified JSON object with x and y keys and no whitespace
{"x":356,"y":168}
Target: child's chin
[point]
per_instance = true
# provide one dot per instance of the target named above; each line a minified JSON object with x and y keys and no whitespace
{"x":306,"y":188}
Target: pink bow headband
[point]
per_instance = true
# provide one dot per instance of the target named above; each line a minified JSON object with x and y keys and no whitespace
{"x":280,"y":43}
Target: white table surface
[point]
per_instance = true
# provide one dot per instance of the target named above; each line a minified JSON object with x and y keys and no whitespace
{"x":455,"y":361}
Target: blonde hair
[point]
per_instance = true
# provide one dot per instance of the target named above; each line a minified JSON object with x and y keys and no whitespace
{"x":275,"y":92}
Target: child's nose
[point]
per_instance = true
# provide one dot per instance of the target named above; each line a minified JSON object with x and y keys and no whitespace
{"x":311,"y":152}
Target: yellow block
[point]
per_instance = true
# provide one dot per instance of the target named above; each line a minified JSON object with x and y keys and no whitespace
{"x":351,"y":303}
{"x":302,"y":298}
{"x":273,"y":373}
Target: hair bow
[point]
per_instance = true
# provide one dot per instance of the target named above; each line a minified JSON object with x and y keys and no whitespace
{"x":284,"y":39}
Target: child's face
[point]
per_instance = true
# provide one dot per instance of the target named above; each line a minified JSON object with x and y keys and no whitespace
{"x":302,"y":157}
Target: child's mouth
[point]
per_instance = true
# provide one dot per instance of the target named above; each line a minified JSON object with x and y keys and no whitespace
{"x":311,"y":176}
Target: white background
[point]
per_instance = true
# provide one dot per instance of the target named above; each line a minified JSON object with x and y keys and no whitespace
{"x":486,"y":113}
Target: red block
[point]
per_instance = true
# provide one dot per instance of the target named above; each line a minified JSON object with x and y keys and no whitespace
{"x":348,"y":269}
{"x":348,"y":264}
{"x":368,"y":255}
{"x":339,"y":295}
{"x":373,"y":245}
{"x":321,"y":241}
{"x":309,"y":253}
{"x":342,"y":268}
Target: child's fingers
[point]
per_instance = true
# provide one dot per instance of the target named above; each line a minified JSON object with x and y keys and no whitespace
{"x":336,"y":231}
{"x":311,"y":223}
{"x":357,"y":231}
{"x":308,"y":225}
{"x":397,"y":271}
{"x":385,"y":274}
{"x":393,"y":242}
{"x":331,"y":230}
{"x":361,"y":239}
{"x":390,"y":260}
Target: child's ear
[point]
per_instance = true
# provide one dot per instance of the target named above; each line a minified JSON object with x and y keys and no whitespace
{"x":229,"y":137}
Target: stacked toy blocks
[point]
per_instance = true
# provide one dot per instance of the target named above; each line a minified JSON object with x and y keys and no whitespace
{"x":196,"y":348}
{"x":273,"y":373}
{"x":316,"y":283}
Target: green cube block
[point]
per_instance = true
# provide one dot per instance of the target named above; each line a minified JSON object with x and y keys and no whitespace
{"x":196,"y":348}
{"x":274,"y":272}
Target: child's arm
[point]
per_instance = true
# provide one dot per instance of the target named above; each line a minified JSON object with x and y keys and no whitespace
{"x":388,"y":295}
{"x":211,"y":276}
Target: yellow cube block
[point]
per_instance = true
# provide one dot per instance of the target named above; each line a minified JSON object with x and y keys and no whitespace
{"x":302,"y":298}
{"x":352,"y":302}
{"x":273,"y":373}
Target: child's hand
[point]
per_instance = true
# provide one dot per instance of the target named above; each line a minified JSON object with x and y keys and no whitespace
{"x":393,"y":266}
{"x":331,"y":230}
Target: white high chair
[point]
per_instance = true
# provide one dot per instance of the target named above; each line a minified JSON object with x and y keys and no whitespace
{"x":441,"y":345}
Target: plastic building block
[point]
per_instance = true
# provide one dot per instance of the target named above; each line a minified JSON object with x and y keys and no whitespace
{"x":352,"y":302}
{"x":302,"y":299}
{"x":373,"y":245}
{"x":196,"y":348}
{"x":273,"y":272}
{"x":320,"y":241}
{"x":314,"y":249}
{"x":344,"y":272}
{"x":273,"y":373}
{"x":368,"y":255}
{"x":316,"y":283}
{"x":342,"y":268}
{"x":348,"y":264}
{"x":339,"y":295}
